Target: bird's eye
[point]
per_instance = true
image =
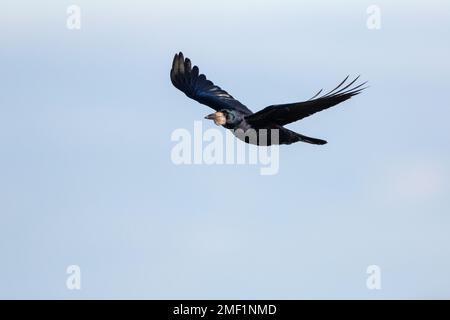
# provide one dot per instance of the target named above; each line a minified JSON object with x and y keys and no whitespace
{"x":228,"y":115}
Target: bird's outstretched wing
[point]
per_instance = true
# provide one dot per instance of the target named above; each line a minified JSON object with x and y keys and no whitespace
{"x":283,"y":114}
{"x":187,"y":79}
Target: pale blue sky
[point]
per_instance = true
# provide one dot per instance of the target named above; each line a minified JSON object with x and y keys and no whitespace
{"x":86,"y":176}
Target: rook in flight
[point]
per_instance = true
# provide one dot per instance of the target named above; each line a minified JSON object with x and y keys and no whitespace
{"x":233,"y":115}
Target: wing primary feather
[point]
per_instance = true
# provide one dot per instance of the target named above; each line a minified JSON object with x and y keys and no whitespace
{"x":187,"y":64}
{"x":352,"y":89}
{"x":347,"y":86}
{"x":316,"y":95}
{"x":181,"y":64}
{"x":174,"y":62}
{"x":339,"y":85}
{"x":356,"y":92}
{"x":195,"y":72}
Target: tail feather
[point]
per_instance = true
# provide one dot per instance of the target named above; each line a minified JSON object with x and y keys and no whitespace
{"x":310,"y":140}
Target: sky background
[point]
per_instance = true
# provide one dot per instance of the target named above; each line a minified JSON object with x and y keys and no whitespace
{"x":86,"y":176}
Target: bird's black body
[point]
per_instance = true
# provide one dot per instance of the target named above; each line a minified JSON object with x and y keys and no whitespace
{"x":264,"y":127}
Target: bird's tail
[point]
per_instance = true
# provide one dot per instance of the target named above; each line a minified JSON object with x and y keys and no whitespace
{"x":306,"y":139}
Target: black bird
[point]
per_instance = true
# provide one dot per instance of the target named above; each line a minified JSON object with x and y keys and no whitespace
{"x":232,"y":114}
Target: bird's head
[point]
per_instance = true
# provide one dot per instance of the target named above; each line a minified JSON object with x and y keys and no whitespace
{"x":224,"y":117}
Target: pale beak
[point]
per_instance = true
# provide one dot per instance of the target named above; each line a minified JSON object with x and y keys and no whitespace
{"x":218,"y":117}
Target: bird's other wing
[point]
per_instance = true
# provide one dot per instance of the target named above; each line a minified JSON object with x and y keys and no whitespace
{"x":187,"y":79}
{"x":283,"y":114}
